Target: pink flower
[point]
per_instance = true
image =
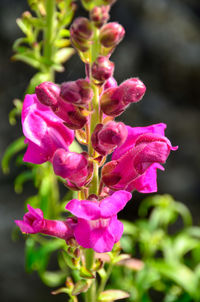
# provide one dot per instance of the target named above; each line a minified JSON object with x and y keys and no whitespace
{"x":33,"y":222}
{"x":134,"y":164}
{"x":98,"y":227}
{"x":72,"y":166}
{"x":44,"y":131}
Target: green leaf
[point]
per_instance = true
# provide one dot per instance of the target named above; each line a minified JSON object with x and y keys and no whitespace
{"x":183,"y":244}
{"x":63,"y":55}
{"x":11,"y":150}
{"x":80,"y":287}
{"x":70,"y":261}
{"x":25,"y":26}
{"x":112,"y":295}
{"x":36,"y":80}
{"x":53,"y":279}
{"x":85,"y":273}
{"x":180,"y":274}
{"x":15,"y":111}
{"x":28,"y":58}
{"x":75,"y":147}
{"x":21,"y":179}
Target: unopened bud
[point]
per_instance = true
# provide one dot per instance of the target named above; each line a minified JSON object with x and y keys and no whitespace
{"x":102,"y":69}
{"x":111,"y":34}
{"x":48,"y":93}
{"x":110,"y":103}
{"x":81,"y":33}
{"x":110,"y":83}
{"x":100,"y":15}
{"x":115,"y":100}
{"x":131,"y":91}
{"x":71,"y":165}
{"x":78,"y":92}
{"x":106,"y":138}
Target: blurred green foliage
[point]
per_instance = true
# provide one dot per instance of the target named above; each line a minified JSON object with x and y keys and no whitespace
{"x":168,"y":249}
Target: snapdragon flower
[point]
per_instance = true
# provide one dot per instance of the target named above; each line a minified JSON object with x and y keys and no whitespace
{"x":97,"y":224}
{"x":134,"y":163}
{"x":44,"y":131}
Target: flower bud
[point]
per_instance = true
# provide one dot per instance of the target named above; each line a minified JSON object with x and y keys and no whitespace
{"x":111,"y":34}
{"x":100,"y":15}
{"x":110,"y":103}
{"x":102,"y":69}
{"x":71,"y":165}
{"x":47,"y":93}
{"x":106,"y":138}
{"x":131,"y":91}
{"x":78,"y":92}
{"x":81,"y":33}
{"x":115,"y":100}
{"x":110,"y":83}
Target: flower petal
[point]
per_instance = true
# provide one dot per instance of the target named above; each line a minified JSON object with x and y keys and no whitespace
{"x":133,"y":134}
{"x":113,"y":204}
{"x":85,"y":209}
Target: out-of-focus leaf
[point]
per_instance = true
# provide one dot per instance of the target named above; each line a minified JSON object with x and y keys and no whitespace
{"x":21,"y":179}
{"x":64,"y":33}
{"x":85,"y":273}
{"x":27,"y":57}
{"x":184,"y":212}
{"x":25,"y":26}
{"x":80,"y":287}
{"x":183,"y":244}
{"x":53,"y":279}
{"x":112,"y":295}
{"x":61,"y":43}
{"x":63,"y":54}
{"x":16,"y":111}
{"x":36,"y":80}
{"x":180,"y":274}
{"x":75,"y":147}
{"x":37,"y":257}
{"x":11,"y":150}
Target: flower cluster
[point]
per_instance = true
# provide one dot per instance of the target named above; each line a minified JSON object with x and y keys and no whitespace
{"x":85,"y":109}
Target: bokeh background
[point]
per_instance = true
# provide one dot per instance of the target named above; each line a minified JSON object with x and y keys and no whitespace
{"x":162,"y":47}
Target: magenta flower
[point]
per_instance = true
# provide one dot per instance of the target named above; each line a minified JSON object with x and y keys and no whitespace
{"x":44,"y":131}
{"x":98,"y":227}
{"x":33,"y":222}
{"x":134,"y":164}
{"x":72,"y":166}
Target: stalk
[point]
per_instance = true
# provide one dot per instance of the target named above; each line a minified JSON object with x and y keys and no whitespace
{"x":90,"y":295}
{"x":49,"y":35}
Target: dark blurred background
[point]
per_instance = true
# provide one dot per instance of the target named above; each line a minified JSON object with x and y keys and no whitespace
{"x":162,"y":47}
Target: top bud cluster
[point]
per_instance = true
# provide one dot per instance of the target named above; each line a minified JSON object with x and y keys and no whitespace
{"x":89,"y":107}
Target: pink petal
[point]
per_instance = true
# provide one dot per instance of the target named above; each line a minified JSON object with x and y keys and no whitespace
{"x":115,"y":203}
{"x":116,"y":228}
{"x":82,"y":233}
{"x":147,"y":182}
{"x":25,"y":227}
{"x":101,"y":240}
{"x":84,"y":209}
{"x":133,"y":134}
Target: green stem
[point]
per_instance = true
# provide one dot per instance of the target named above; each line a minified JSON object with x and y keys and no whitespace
{"x":104,"y":280}
{"x":49,"y":35}
{"x":90,"y":296}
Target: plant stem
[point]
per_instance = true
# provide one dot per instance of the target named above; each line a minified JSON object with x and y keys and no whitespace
{"x":105,"y":279}
{"x":90,"y":295}
{"x":49,"y":35}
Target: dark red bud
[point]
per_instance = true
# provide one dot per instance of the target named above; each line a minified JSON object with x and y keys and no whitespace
{"x":102,"y":69}
{"x":78,"y":92}
{"x":100,"y":15}
{"x":81,"y":33}
{"x":106,"y":138}
{"x":47,"y":93}
{"x":111,"y":34}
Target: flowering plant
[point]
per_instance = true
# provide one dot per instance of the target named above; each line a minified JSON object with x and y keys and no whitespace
{"x":85,"y":110}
